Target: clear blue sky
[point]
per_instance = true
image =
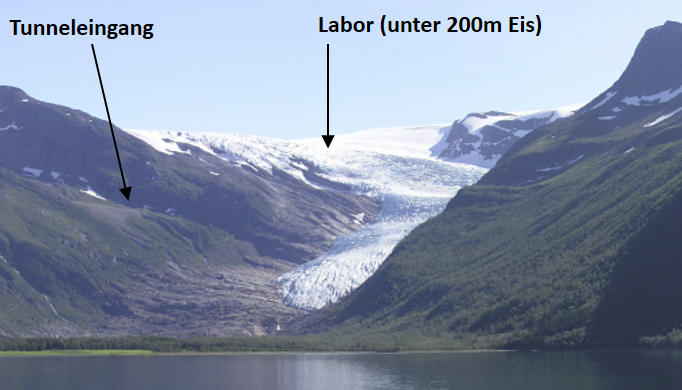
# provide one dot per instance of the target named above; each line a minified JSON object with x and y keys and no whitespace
{"x":259,"y":67}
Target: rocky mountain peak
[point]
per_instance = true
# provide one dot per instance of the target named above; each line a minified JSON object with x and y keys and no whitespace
{"x":10,"y":95}
{"x":656,"y":64}
{"x":647,"y":96}
{"x":482,"y":138}
{"x":652,"y":77}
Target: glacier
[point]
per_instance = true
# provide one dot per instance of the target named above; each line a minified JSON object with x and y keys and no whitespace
{"x":397,"y":166}
{"x":400,"y":167}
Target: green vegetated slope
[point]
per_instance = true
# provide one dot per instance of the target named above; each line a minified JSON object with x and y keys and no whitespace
{"x":573,"y":239}
{"x":67,"y":256}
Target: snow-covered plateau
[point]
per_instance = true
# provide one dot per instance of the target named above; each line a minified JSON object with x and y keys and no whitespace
{"x":397,"y":166}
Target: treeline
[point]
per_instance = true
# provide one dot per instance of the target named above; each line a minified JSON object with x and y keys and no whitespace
{"x":199,"y":344}
{"x":164,"y":344}
{"x":315,"y":343}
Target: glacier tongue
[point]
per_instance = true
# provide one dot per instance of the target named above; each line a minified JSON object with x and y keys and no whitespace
{"x":399,"y":167}
{"x":410,"y":191}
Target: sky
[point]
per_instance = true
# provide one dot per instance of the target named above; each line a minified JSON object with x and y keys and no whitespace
{"x":260,"y":67}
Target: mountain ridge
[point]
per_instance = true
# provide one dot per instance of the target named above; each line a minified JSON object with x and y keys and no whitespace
{"x":554,"y":246}
{"x":191,"y":253}
{"x":483,"y":138}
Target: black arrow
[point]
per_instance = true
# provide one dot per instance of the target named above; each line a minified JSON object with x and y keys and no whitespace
{"x":125,"y":190}
{"x":328,"y":138}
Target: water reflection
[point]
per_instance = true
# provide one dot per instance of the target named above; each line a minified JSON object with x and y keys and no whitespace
{"x":475,"y":371}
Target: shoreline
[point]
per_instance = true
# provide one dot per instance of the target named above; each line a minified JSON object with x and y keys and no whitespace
{"x":122,"y":352}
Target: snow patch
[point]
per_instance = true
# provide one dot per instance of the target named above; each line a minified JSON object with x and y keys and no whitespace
{"x":660,"y":97}
{"x":33,"y":171}
{"x":11,"y":126}
{"x":606,"y":118}
{"x":24,"y":100}
{"x":608,"y":96}
{"x":55,"y":175}
{"x":50,"y":304}
{"x":166,"y":142}
{"x":91,"y":192}
{"x":213,"y":173}
{"x":558,"y":167}
{"x":8,"y":264}
{"x":571,"y":162}
{"x":629,"y":150}
{"x":662,"y":118}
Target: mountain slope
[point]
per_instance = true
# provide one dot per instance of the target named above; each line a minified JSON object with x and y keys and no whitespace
{"x":568,"y":241}
{"x":76,"y":265}
{"x":53,"y":143}
{"x":483,"y":138}
{"x":244,"y":189}
{"x":192,"y":253}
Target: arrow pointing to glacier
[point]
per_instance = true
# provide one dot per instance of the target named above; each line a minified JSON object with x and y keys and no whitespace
{"x":328,"y":138}
{"x":125,"y":190}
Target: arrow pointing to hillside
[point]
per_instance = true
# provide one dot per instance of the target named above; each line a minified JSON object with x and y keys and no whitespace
{"x":125,"y":190}
{"x":328,"y":138}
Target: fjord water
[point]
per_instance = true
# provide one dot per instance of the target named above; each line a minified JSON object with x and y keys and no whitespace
{"x":601,"y":370}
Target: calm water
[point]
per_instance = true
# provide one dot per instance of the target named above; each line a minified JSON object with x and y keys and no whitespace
{"x":650,"y":370}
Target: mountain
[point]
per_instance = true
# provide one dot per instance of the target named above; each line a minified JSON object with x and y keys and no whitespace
{"x":192,"y":253}
{"x":403,"y":168}
{"x":399,"y":167}
{"x":327,"y":216}
{"x":482,"y":138}
{"x":571,"y":240}
{"x":268,"y":226}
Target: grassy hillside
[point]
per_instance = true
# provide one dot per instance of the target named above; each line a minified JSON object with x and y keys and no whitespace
{"x":82,"y":253}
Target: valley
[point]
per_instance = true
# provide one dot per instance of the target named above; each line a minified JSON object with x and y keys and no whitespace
{"x":538,"y":229}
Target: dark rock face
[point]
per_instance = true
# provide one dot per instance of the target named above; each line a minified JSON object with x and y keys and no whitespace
{"x":656,"y":64}
{"x":191,"y":253}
